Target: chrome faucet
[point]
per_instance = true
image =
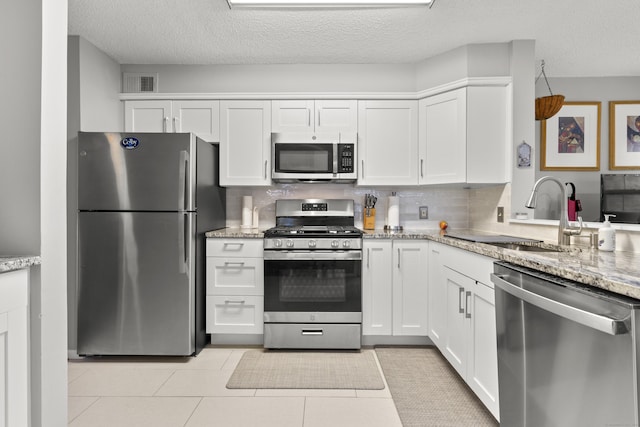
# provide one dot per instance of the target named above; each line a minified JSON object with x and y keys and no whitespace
{"x":565,"y":231}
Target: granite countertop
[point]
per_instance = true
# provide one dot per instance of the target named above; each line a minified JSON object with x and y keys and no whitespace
{"x":17,"y":263}
{"x":236,"y":232}
{"x":618,"y":272}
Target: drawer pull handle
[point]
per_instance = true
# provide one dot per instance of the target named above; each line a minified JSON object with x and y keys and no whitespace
{"x":233,"y":243}
{"x":233,"y":302}
{"x":312,"y":332}
{"x":234,"y":263}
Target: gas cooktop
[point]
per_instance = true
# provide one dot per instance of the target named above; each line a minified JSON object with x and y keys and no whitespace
{"x":313,"y":231}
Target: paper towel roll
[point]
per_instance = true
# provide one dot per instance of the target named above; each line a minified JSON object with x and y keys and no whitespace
{"x":393,"y":211}
{"x":247,"y":212}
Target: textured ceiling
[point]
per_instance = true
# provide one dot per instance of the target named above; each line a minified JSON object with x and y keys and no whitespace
{"x":574,"y":37}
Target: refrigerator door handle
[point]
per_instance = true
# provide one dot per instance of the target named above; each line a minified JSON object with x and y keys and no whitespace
{"x":184,"y":226}
{"x":183,"y":185}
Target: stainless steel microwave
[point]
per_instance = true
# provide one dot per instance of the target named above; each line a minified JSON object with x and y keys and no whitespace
{"x":313,"y":157}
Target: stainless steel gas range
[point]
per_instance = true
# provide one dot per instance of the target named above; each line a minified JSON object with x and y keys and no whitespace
{"x":312,"y":276}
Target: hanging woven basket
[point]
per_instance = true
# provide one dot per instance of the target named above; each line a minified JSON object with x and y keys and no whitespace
{"x":548,"y":106}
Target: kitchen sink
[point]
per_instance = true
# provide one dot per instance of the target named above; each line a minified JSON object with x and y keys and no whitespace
{"x":524,"y":248}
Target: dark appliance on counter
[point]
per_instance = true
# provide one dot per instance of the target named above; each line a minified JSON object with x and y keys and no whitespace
{"x":145,"y":201}
{"x":313,"y":157}
{"x":567,"y":352}
{"x":312,"y":276}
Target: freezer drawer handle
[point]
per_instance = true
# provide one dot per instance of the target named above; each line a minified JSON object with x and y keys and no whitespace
{"x":592,"y":320}
{"x":312,"y":332}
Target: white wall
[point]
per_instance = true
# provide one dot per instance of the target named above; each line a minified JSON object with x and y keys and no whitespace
{"x":281,"y":78}
{"x":20,"y":44}
{"x":603,"y":89}
{"x":93,"y":105}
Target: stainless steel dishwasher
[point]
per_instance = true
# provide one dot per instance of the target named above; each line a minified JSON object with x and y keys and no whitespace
{"x":567,"y":353}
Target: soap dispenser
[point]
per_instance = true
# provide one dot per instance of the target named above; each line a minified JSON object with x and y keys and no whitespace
{"x":607,"y":235}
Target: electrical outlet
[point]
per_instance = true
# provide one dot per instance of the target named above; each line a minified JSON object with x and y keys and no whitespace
{"x":423,"y":212}
{"x":500,"y":214}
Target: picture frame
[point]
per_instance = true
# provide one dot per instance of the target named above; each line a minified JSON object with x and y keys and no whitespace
{"x":570,"y":140}
{"x":624,"y":135}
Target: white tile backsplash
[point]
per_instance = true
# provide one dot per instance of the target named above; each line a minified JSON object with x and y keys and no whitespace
{"x":449,"y":204}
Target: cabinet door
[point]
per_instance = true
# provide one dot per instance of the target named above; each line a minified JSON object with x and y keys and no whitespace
{"x":456,"y":338}
{"x":488,"y":130}
{"x":336,"y":116}
{"x":377,"y":279}
{"x":388,"y":142}
{"x":482,"y":370}
{"x":14,"y":353}
{"x":410,"y":291}
{"x":443,"y":132}
{"x":292,"y":116}
{"x":245,"y":143}
{"x":437,"y":297}
{"x":147,"y":116}
{"x":199,"y":117}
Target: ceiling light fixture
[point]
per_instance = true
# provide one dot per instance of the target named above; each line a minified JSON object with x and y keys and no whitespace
{"x":324,"y":4}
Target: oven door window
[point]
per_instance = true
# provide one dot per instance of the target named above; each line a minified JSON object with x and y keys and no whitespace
{"x":304,"y":158}
{"x":313,"y":285}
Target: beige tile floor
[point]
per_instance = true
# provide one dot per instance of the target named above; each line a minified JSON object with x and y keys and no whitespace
{"x":191,"y":392}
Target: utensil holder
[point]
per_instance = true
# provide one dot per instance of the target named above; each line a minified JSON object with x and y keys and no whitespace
{"x":369,"y":219}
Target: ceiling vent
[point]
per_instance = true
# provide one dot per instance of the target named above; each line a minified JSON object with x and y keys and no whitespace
{"x":139,"y":82}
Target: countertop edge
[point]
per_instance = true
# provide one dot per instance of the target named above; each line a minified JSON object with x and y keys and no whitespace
{"x":18,"y":262}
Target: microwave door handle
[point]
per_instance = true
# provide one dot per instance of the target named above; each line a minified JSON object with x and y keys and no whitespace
{"x":335,"y":158}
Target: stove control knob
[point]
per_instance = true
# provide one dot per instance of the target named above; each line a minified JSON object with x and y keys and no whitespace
{"x":277,"y":243}
{"x":346,"y":244}
{"x":289,"y":243}
{"x":335,"y":243}
{"x":312,"y":243}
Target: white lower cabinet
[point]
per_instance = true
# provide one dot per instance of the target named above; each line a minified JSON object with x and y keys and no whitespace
{"x":394,"y":287}
{"x":14,"y":350}
{"x":235,"y":286}
{"x":462,"y":318}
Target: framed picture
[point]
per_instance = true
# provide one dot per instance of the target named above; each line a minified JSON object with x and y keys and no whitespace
{"x":570,"y":140}
{"x":624,"y":135}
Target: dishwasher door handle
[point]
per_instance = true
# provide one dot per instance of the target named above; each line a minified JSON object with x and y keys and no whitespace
{"x":592,"y":320}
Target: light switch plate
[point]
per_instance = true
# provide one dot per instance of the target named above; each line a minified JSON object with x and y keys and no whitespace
{"x":500,"y":217}
{"x":423,"y":212}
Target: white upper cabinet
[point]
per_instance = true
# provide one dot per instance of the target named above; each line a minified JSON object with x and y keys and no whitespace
{"x":314,"y":116}
{"x":245,"y":143}
{"x":202,"y":117}
{"x":388,"y":142}
{"x":148,"y":116}
{"x":464,"y":136}
{"x":199,"y":117}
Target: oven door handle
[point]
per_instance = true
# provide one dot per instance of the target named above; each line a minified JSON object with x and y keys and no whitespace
{"x":313,"y":256}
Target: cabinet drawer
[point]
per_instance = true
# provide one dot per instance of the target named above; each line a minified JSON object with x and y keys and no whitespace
{"x":473,"y":265}
{"x":235,"y":276}
{"x":234,"y":315}
{"x":235,"y":247}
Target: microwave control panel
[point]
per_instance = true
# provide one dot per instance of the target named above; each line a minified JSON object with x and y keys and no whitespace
{"x":345,"y":158}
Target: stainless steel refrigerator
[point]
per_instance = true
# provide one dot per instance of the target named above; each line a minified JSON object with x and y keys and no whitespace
{"x":145,"y":201}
